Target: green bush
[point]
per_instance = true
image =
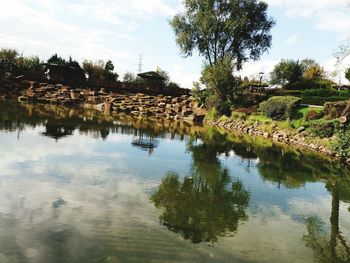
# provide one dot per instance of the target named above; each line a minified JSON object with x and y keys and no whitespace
{"x":304,"y":84}
{"x":318,"y":93}
{"x":280,"y":108}
{"x":239,"y":116}
{"x":314,"y":115}
{"x":321,"y":96}
{"x":323,"y":128}
{"x":342,"y":144}
{"x":212,"y":114}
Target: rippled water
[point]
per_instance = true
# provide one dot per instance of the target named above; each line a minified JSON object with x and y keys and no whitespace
{"x":74,"y":188}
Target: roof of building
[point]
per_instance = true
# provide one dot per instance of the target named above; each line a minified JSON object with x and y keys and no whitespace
{"x":151,"y":75}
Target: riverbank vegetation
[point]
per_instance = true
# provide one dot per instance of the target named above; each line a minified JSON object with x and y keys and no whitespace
{"x":301,"y":84}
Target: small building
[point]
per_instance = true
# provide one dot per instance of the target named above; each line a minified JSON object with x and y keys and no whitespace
{"x":154,"y":81}
{"x":64,"y":73}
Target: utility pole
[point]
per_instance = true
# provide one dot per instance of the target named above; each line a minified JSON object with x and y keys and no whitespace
{"x":140,"y":63}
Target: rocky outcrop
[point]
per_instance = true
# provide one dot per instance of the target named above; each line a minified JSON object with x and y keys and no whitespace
{"x":167,"y":107}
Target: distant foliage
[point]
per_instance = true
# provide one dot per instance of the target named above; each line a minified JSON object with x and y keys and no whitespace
{"x":300,"y":75}
{"x":99,"y":70}
{"x":287,"y":72}
{"x":55,"y":59}
{"x":280,"y":108}
{"x":129,"y":77}
{"x":8,"y":60}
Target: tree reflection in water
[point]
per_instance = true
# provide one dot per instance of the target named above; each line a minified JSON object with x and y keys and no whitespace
{"x":335,"y":248}
{"x":205,"y":205}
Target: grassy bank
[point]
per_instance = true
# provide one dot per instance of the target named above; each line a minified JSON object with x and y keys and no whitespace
{"x":309,"y":127}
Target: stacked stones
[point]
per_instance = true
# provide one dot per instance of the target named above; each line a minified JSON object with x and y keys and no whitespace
{"x":167,"y":107}
{"x":159,"y":106}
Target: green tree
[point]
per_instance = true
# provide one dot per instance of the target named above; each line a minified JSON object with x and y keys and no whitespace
{"x":347,"y":74}
{"x":165,"y":75}
{"x":73,"y":63}
{"x":55,"y":59}
{"x":29,"y":65}
{"x":221,"y":85}
{"x":217,"y":28}
{"x":95,"y":70}
{"x":8,"y":60}
{"x":287,"y":72}
{"x":108,"y":72}
{"x":312,"y":70}
{"x":129,"y":77}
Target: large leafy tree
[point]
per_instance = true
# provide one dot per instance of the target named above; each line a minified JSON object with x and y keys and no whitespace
{"x":217,"y":28}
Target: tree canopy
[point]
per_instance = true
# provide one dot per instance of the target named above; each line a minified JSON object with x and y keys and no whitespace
{"x":217,"y":28}
{"x":287,"y":71}
{"x":347,"y":74}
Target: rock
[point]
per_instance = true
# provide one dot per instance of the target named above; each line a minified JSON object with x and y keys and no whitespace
{"x":300,"y":129}
{"x":266,"y":135}
{"x":313,"y":146}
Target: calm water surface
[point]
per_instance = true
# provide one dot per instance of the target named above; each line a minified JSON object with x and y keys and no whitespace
{"x":73,"y":188}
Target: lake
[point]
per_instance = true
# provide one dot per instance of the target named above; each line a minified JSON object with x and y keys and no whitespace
{"x":77,"y":186}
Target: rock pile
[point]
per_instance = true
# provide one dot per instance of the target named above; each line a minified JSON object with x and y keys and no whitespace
{"x":167,"y":107}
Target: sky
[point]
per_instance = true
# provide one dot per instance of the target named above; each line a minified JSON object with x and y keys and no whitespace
{"x":122,"y":31}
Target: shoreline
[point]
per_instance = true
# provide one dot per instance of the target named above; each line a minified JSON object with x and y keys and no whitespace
{"x":294,"y":140}
{"x":182,"y":108}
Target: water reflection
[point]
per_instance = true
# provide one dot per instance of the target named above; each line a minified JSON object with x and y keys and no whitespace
{"x":206,"y":204}
{"x":82,"y":198}
{"x":329,"y":245}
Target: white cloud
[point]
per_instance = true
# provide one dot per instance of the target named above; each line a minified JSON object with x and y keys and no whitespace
{"x":329,"y":15}
{"x":84,"y":29}
{"x":183,"y":77}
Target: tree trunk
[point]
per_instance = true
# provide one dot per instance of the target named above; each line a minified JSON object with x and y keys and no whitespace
{"x":345,"y":116}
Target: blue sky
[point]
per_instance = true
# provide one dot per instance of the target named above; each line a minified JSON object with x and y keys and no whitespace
{"x":122,"y":30}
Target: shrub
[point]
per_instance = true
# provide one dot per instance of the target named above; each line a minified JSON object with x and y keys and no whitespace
{"x":247,"y":111}
{"x":334,"y":110}
{"x":342,"y":143}
{"x":212,"y":114}
{"x":280,"y":108}
{"x":321,"y":96}
{"x":313,"y":115}
{"x":324,"y":129}
{"x":238,"y":116}
{"x":248,"y":99}
{"x":304,"y":84}
{"x":318,"y":93}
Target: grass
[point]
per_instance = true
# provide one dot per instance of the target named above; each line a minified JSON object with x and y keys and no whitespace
{"x":305,"y":110}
